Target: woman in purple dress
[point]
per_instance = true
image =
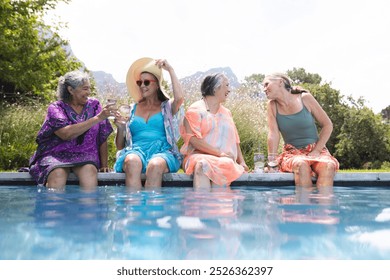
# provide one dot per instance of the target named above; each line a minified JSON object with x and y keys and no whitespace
{"x":73,"y":136}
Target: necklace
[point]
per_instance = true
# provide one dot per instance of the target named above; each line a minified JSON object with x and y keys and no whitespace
{"x":214,"y":106}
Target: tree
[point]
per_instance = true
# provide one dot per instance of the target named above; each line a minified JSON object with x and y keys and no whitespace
{"x":386,"y":114}
{"x":252,"y":86}
{"x":32,"y":54}
{"x":363,"y":140}
{"x":299,"y":76}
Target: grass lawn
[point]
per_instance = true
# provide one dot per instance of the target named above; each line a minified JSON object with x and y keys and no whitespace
{"x":364,"y":170}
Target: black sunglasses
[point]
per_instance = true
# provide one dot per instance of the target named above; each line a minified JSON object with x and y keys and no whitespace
{"x":145,"y":82}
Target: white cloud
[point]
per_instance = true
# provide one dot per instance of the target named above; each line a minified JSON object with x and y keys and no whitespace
{"x":344,"y":42}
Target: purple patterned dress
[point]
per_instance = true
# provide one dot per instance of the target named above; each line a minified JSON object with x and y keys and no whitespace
{"x":53,"y":152}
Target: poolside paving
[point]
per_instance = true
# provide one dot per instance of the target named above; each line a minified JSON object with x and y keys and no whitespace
{"x":183,"y":180}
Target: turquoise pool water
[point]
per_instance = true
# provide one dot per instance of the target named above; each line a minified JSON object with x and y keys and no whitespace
{"x":179,"y":223}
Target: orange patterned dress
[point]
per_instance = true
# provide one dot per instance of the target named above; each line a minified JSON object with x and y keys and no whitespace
{"x":217,"y":130}
{"x":291,"y":153}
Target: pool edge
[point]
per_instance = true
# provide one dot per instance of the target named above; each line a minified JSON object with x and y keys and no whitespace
{"x":183,"y":180}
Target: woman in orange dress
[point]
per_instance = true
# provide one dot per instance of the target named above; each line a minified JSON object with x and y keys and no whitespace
{"x":211,"y":142}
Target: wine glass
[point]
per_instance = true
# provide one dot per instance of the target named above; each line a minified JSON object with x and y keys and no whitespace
{"x":258,"y":160}
{"x":272,"y":161}
{"x":124,"y":110}
{"x":111,"y":102}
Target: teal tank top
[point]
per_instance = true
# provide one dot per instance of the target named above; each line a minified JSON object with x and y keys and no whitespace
{"x":298,"y":129}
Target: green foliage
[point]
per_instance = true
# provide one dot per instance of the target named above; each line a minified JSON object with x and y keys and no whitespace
{"x":299,"y":76}
{"x":19,"y":126}
{"x":386,"y":115}
{"x":249,"y":114}
{"x":386,"y":166}
{"x":111,"y":149}
{"x":363,"y":140}
{"x":32,"y":54}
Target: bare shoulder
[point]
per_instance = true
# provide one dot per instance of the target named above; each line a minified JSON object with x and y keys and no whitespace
{"x":307,"y":96}
{"x":271,"y":106}
{"x":309,"y":101}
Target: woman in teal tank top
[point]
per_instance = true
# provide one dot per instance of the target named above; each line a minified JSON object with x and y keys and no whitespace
{"x":292,"y":112}
{"x":147,"y":141}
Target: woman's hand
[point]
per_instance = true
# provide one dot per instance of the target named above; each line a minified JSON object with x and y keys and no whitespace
{"x":314,"y":153}
{"x":105,"y":169}
{"x":243,"y":164}
{"x":119,"y":120}
{"x":107,"y":111}
{"x":163,"y":63}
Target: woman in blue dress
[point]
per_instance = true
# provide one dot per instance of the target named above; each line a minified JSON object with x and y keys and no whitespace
{"x":147,"y":141}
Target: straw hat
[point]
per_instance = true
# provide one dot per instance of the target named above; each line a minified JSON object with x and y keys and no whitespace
{"x":145,"y":64}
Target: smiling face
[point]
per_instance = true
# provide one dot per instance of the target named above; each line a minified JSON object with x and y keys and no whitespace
{"x":79,"y":95}
{"x":148,"y":85}
{"x":223,"y":90}
{"x":272,"y":87}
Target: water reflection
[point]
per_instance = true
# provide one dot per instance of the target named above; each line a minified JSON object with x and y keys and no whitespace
{"x":175,"y":223}
{"x":309,"y":220}
{"x":75,"y":212}
{"x":66,"y":222}
{"x":183,"y":223}
{"x":322,"y":199}
{"x":204,"y":224}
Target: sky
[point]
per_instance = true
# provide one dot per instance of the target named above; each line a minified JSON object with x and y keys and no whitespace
{"x":345,"y":42}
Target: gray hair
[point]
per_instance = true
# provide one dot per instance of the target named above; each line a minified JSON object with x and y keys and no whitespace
{"x":287,"y":83}
{"x":73,"y":79}
{"x":286,"y":79}
{"x":211,"y":83}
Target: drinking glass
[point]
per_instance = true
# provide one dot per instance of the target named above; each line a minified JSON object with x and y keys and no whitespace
{"x":258,"y":160}
{"x":112,"y":103}
{"x":272,"y":161}
{"x":124,"y":110}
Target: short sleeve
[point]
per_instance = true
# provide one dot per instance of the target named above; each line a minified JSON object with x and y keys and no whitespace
{"x":194,"y":119}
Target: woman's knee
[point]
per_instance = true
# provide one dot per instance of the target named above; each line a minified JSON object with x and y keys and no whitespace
{"x":57,"y":177}
{"x":301,"y":166}
{"x":328,"y":168}
{"x":89,"y":168}
{"x":59,"y":173}
{"x":132,"y":162}
{"x":157,"y":165}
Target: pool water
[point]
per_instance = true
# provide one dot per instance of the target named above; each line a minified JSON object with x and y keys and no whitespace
{"x":180,"y":223}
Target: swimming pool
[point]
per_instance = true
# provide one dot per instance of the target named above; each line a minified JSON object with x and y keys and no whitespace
{"x":275,"y":223}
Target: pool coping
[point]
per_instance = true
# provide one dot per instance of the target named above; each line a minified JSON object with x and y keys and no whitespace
{"x":183,"y":180}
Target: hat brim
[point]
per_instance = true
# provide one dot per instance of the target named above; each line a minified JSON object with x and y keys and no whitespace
{"x":145,"y":64}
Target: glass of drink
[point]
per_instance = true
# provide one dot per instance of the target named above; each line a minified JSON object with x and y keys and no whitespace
{"x":124,"y":110}
{"x":272,"y":161}
{"x":258,"y":160}
{"x":111,"y":102}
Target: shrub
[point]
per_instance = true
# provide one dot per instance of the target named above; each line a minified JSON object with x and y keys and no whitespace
{"x":19,"y":125}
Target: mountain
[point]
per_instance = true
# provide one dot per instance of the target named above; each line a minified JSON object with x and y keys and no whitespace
{"x":191,"y":84}
{"x":105,"y":82}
